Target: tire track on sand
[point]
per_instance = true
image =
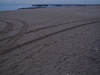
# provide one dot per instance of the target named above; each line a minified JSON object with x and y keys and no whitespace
{"x":40,"y":23}
{"x":51,"y":27}
{"x":7,"y":28}
{"x":11,"y":42}
{"x":60,"y":25}
{"x":21,"y":32}
{"x":43,"y":37}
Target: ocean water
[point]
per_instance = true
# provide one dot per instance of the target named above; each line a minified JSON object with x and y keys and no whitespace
{"x":12,"y":7}
{"x":16,"y":7}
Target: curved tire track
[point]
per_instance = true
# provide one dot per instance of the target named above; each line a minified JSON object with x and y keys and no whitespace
{"x":12,"y":40}
{"x":59,"y":25}
{"x":7,"y":28}
{"x":4,"y":51}
{"x":50,"y":27}
{"x":20,"y":33}
{"x":40,"y":23}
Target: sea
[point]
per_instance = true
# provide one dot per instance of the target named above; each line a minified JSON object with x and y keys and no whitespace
{"x":13,"y":7}
{"x":16,"y":7}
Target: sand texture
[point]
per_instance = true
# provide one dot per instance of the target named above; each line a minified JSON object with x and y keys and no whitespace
{"x":50,"y":41}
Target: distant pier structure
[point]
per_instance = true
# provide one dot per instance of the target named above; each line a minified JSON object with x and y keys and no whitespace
{"x":34,"y":6}
{"x":63,"y":5}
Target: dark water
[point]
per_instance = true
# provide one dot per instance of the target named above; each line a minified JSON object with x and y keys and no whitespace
{"x":12,"y":7}
{"x":16,"y":7}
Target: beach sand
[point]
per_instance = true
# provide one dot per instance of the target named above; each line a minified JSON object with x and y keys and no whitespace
{"x":50,"y":41}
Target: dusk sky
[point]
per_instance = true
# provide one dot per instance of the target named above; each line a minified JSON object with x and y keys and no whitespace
{"x":13,"y":2}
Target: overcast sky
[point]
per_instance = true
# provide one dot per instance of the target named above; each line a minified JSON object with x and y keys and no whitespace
{"x":12,"y":2}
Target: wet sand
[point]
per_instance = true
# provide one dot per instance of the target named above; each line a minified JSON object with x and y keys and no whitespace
{"x":50,"y":41}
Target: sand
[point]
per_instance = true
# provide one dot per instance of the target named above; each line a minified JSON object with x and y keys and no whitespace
{"x":50,"y":41}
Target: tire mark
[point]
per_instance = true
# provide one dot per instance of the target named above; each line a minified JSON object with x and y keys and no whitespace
{"x":54,"y":25}
{"x":11,"y":42}
{"x":50,"y":27}
{"x":57,"y":25}
{"x":43,"y":37}
{"x":7,"y":28}
{"x":21,"y":32}
{"x":36,"y":29}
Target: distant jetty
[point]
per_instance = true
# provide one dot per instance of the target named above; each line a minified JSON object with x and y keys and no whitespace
{"x":34,"y":6}
{"x":62,"y":5}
